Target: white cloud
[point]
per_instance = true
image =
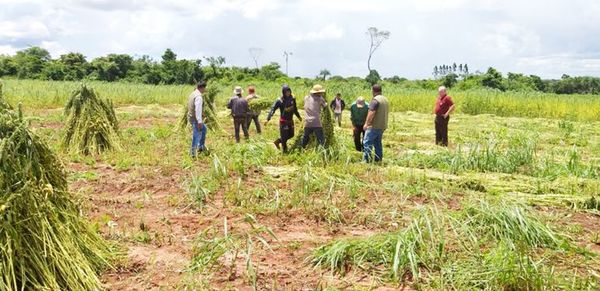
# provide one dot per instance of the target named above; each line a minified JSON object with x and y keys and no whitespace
{"x":25,"y":28}
{"x":331,"y":31}
{"x":7,"y":50}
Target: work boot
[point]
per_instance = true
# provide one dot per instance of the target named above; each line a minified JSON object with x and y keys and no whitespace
{"x":277,"y":144}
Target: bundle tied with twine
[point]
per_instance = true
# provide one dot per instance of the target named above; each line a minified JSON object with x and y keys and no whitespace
{"x":208,"y":110}
{"x":331,"y":145}
{"x":45,"y":244}
{"x":92,"y":125}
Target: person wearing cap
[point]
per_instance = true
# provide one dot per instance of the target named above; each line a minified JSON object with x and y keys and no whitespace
{"x":196,"y":119}
{"x":313,"y":103}
{"x":287,"y":109}
{"x":443,"y":108}
{"x":337,"y":106}
{"x":253,"y":115}
{"x":375,"y":125}
{"x":239,"y":111}
{"x":358,"y":115}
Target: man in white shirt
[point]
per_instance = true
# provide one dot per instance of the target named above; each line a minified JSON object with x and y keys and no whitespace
{"x":338,"y":105}
{"x":196,"y":120}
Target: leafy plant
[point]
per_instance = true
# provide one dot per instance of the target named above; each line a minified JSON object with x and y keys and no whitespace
{"x":91,"y":125}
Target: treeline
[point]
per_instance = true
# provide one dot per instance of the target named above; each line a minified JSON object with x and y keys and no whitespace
{"x":36,"y":63}
{"x":493,"y":79}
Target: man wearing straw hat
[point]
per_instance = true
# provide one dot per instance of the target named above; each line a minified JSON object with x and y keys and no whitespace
{"x":358,"y":115}
{"x":313,"y":104}
{"x":239,"y":111}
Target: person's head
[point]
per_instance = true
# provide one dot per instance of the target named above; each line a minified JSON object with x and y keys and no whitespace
{"x":338,"y":95}
{"x":251,"y":90}
{"x":201,"y":86}
{"x":317,"y":90}
{"x":286,"y":91}
{"x":376,"y":90}
{"x":360,"y":101}
{"x":238,"y":91}
{"x":442,"y":91}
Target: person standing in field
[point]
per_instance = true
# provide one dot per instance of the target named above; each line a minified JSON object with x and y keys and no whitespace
{"x":196,"y":119}
{"x":287,"y":109}
{"x":358,"y":115}
{"x":253,"y":115}
{"x":442,"y":110}
{"x":239,"y":111}
{"x":375,"y":125}
{"x":337,"y":106}
{"x":313,"y":103}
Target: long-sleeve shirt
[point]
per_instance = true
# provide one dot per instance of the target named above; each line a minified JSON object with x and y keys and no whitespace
{"x":238,"y":106}
{"x":312,"y":110}
{"x":195,"y":107}
{"x":287,"y":109}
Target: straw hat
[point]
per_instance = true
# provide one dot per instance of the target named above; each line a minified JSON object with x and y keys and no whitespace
{"x":238,"y":90}
{"x":317,"y":89}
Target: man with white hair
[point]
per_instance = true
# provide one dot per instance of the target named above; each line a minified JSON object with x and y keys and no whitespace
{"x":239,"y":111}
{"x":358,"y":115}
{"x":443,"y":108}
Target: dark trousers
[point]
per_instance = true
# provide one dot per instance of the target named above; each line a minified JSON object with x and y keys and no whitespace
{"x":359,"y":135}
{"x":318,"y":131}
{"x":441,"y":130}
{"x":237,"y":123}
{"x":286,"y":132}
{"x":256,"y":123}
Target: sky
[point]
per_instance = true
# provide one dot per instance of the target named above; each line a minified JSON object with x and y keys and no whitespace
{"x":543,"y":37}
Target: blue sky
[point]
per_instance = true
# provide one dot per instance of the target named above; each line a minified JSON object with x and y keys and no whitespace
{"x":547,"y":38}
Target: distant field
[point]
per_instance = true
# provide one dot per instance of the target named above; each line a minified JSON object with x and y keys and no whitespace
{"x":46,"y":94}
{"x":512,"y":205}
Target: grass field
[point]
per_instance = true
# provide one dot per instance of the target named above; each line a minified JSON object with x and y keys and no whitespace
{"x":512,"y":204}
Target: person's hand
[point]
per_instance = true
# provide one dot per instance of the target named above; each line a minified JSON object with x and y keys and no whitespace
{"x":446,"y":115}
{"x":199,"y":125}
{"x":366,"y":127}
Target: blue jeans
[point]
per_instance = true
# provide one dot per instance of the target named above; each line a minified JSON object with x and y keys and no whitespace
{"x":198,"y":139}
{"x":372,"y":140}
{"x":318,"y":133}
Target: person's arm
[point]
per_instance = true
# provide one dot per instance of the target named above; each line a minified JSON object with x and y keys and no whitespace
{"x":296,"y":112}
{"x":450,"y":110}
{"x":229,"y":104}
{"x":198,"y":105}
{"x":370,"y":117}
{"x":343,"y":104}
{"x":276,"y":105}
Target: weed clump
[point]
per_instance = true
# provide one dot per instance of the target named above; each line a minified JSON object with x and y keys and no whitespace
{"x":92,"y":125}
{"x":45,"y":244}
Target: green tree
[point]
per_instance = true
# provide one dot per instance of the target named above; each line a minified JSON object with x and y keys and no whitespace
{"x":112,"y":67}
{"x":492,"y":79}
{"x":450,"y":80}
{"x":271,"y":72}
{"x":323,"y":74}
{"x":30,"y":62}
{"x":74,"y":65}
{"x":7,"y":66}
{"x":373,"y":77}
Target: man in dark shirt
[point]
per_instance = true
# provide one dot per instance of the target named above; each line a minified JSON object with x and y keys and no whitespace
{"x":239,"y":111}
{"x":358,"y":115}
{"x":443,"y":108}
{"x":287,"y":109}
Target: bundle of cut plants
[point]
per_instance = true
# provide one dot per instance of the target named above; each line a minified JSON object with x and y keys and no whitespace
{"x":208,"y":110}
{"x":328,"y":132}
{"x":45,"y":244}
{"x":260,"y":104}
{"x":92,"y":125}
